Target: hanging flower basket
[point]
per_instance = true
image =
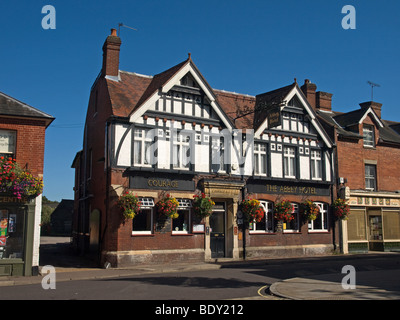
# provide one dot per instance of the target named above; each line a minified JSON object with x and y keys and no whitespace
{"x":252,"y":210}
{"x":202,"y":205}
{"x":17,"y":182}
{"x":341,"y":209}
{"x":283,"y":211}
{"x":168,"y":206}
{"x":309,"y":210}
{"x":130,"y":205}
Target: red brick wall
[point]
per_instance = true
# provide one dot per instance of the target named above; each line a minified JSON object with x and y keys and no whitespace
{"x":30,"y":142}
{"x":351,"y":157}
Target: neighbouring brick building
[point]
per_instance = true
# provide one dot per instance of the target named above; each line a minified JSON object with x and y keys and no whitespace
{"x":368,"y":149}
{"x":173,"y":133}
{"x":22,"y":137}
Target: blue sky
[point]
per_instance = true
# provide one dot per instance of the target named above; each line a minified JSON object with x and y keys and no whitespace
{"x":242,"y":46}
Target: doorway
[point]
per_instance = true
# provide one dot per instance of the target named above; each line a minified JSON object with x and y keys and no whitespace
{"x":218,"y":231}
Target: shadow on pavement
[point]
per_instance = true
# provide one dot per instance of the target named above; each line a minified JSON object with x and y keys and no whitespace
{"x":58,"y":252}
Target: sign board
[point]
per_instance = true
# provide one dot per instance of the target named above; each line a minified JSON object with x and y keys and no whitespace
{"x":288,"y":188}
{"x":160,"y":183}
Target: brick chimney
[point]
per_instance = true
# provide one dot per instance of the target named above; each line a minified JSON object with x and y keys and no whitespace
{"x":111,"y":49}
{"x":324,"y":101}
{"x":309,"y":89}
{"x":377,"y":107}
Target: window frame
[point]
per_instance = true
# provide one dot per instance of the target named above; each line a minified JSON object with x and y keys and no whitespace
{"x":257,"y":158}
{"x":316,"y":164}
{"x":368,"y":136}
{"x":146,"y":204}
{"x":289,"y":162}
{"x":323,"y":215}
{"x":146,"y":142}
{"x":296,"y":220}
{"x":268,"y":207}
{"x":184,"y":205}
{"x":369,"y":177}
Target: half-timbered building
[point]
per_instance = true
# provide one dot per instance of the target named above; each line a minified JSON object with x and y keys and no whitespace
{"x":174,"y":134}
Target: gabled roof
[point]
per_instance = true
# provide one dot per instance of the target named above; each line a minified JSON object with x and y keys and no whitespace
{"x":283,"y":96}
{"x":342,"y":122}
{"x":132,"y":94}
{"x":12,"y":107}
{"x":356,"y":117}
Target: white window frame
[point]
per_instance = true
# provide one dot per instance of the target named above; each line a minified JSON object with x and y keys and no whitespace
{"x":370,"y":177}
{"x":218,"y":149}
{"x":141,"y":136}
{"x":323,"y":215}
{"x":268,"y":207}
{"x":184,"y":205}
{"x":8,"y":142}
{"x":295,"y":212}
{"x":261,"y":168}
{"x":289,"y":162}
{"x":368,"y":136}
{"x":146,"y":204}
{"x":316,"y":164}
{"x":181,"y":143}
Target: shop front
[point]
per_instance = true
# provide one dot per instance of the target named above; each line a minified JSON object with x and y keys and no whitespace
{"x":373,"y":223}
{"x":16,"y":236}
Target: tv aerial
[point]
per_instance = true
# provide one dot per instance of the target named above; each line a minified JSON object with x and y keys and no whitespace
{"x":122,"y":25}
{"x":372,"y":84}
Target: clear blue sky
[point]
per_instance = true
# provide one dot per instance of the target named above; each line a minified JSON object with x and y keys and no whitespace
{"x":243,"y":46}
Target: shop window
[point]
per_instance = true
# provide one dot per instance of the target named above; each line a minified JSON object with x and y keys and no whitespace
{"x":321,"y":222}
{"x":391,"y":225}
{"x":356,"y":225}
{"x":143,"y":221}
{"x":7,"y":143}
{"x":316,"y":165}
{"x":267,"y":224}
{"x":12,"y":233}
{"x":260,"y":159}
{"x":293,"y":226}
{"x":142,"y":146}
{"x":370,"y":177}
{"x":368,"y":136}
{"x":289,"y":163}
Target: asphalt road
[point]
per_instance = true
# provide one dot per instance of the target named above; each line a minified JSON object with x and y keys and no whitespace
{"x":231,"y":281}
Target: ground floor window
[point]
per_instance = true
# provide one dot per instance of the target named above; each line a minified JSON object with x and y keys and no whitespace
{"x":321,"y":222}
{"x":143,"y":221}
{"x":12,"y":238}
{"x":391,"y":224}
{"x":294,"y":225}
{"x":356,"y":225}
{"x":267,"y":224}
{"x":181,"y":225}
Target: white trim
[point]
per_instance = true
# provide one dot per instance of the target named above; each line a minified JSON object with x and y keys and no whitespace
{"x":310,"y":112}
{"x":375,"y":116}
{"x":187,"y":68}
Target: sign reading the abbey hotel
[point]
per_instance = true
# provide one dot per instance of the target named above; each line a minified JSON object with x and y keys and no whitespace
{"x":288,"y":188}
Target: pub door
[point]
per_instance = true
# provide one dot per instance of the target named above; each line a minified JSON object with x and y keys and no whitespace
{"x":217,"y":231}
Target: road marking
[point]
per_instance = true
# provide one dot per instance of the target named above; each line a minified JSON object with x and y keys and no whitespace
{"x":259,"y":292}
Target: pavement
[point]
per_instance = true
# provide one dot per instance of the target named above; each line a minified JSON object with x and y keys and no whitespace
{"x":369,"y":285}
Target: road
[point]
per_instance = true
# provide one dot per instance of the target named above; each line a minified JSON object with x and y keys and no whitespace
{"x":231,"y":281}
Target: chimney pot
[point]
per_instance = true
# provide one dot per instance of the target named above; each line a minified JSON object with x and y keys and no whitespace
{"x":114,"y":32}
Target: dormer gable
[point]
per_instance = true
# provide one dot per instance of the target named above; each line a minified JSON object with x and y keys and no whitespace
{"x":296,"y":115}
